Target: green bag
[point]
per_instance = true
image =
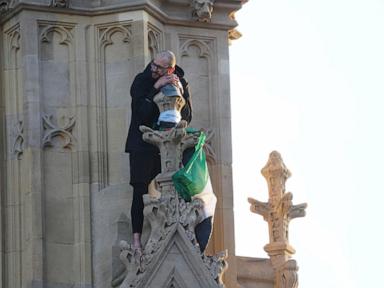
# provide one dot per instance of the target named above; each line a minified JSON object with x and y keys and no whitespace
{"x":193,"y":177}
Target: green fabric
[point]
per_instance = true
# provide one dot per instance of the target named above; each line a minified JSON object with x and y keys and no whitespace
{"x":192,"y":178}
{"x":191,"y":130}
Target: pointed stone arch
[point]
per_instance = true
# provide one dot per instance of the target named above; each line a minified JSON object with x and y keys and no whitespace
{"x":155,"y":40}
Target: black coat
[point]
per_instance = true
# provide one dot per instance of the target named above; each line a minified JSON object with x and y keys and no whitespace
{"x":145,"y":111}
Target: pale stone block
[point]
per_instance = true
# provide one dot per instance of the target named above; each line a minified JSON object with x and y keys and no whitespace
{"x":118,"y":86}
{"x":31,"y":77}
{"x":117,"y":129}
{"x":114,"y":167}
{"x":83,"y":260}
{"x":80,"y":167}
{"x":81,"y":129}
{"x":125,"y":170}
{"x":56,"y":84}
{"x":99,"y":168}
{"x":13,"y":236}
{"x":58,"y":175}
{"x":255,"y":272}
{"x":60,"y":260}
{"x":59,"y":221}
{"x":226,"y":178}
{"x":108,"y":206}
{"x":93,"y":129}
{"x":224,"y":140}
{"x":33,"y":125}
{"x":28,"y":218}
{"x":82,"y":213}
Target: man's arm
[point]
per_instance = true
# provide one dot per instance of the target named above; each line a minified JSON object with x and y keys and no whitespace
{"x":142,"y":98}
{"x":186,"y":112}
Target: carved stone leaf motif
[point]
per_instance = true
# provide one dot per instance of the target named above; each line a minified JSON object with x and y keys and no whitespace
{"x":52,"y":131}
{"x":191,"y":215}
{"x":160,"y":213}
{"x":217,"y":265}
{"x":132,"y":260}
{"x":18,"y":143}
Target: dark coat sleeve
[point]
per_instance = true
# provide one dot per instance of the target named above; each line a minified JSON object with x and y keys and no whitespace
{"x":186,"y":112}
{"x":142,"y":94}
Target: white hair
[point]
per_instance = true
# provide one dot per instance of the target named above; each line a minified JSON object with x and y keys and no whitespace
{"x":169,"y":56}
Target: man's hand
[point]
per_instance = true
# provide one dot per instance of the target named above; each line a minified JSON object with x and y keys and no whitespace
{"x":166,"y":79}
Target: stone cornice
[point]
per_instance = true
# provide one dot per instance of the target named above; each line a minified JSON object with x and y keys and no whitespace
{"x":221,"y":16}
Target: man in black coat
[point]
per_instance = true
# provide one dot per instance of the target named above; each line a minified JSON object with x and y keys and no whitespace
{"x":144,"y":157}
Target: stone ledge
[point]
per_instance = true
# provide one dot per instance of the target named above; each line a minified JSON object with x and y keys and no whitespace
{"x":257,"y":271}
{"x":222,"y":14}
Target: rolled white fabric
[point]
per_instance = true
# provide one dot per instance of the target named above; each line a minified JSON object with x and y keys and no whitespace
{"x":209,"y":199}
{"x":173,"y":116}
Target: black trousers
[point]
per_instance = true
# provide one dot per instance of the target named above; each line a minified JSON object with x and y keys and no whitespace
{"x":203,"y":232}
{"x":144,"y":166}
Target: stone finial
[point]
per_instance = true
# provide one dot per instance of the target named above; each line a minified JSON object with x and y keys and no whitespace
{"x":278,"y":212}
{"x":173,"y":142}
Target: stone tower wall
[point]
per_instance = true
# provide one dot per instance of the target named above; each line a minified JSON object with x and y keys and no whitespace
{"x":66,"y":70}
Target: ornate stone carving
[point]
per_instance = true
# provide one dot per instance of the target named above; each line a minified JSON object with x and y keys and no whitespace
{"x":60,"y":3}
{"x":234,"y":34}
{"x":190,"y":214}
{"x":205,"y":46}
{"x":4,"y":6}
{"x":64,"y":132}
{"x":63,"y":31}
{"x":166,"y":217}
{"x":208,"y":146}
{"x":108,"y":35}
{"x":132,"y":260}
{"x":14,"y":46}
{"x":278,"y":212}
{"x":200,"y":52}
{"x":202,"y":10}
{"x":287,"y":276}
{"x":161,"y":215}
{"x":18,"y":143}
{"x":154,"y":40}
{"x":105,"y":34}
{"x":217,"y":265}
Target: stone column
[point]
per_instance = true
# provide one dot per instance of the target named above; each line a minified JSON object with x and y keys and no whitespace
{"x":278,"y":212}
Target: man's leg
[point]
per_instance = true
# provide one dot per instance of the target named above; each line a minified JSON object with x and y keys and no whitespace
{"x":139,"y":189}
{"x":144,"y":167}
{"x":203,"y":233}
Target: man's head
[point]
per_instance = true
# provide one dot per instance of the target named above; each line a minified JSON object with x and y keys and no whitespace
{"x":163,"y":64}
